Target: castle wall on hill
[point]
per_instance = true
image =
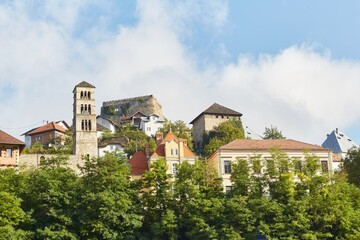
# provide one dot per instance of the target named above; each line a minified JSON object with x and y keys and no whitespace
{"x":127,"y":107}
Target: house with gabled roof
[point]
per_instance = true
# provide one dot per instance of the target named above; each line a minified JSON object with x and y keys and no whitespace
{"x":151,"y":124}
{"x":208,"y":119}
{"x":171,"y":148}
{"x":340,"y":144}
{"x":244,"y":149}
{"x":10,"y":149}
{"x":46,"y":134}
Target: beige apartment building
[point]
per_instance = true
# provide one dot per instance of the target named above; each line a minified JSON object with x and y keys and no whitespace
{"x":244,"y":149}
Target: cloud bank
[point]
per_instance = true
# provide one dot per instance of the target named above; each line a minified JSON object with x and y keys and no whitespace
{"x":302,"y":89}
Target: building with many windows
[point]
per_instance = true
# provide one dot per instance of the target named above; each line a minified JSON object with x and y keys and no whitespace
{"x":84,"y":120}
{"x":244,"y":149}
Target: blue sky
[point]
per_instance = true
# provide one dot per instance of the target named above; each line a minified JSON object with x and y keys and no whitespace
{"x":293,"y":64}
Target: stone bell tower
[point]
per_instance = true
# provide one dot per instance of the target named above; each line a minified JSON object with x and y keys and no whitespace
{"x":84,"y":121}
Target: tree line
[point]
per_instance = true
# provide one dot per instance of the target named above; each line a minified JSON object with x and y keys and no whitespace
{"x":285,"y":201}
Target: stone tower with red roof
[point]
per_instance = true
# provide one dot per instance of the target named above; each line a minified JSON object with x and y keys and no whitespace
{"x":84,"y":120}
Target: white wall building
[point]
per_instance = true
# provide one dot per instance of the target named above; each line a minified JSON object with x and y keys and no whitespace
{"x":151,"y":124}
{"x":106,"y":124}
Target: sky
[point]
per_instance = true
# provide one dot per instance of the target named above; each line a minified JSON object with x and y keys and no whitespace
{"x":290,"y":64}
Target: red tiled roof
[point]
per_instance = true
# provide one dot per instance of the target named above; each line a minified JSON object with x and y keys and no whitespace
{"x":138,"y":163}
{"x":8,"y":139}
{"x":52,"y":126}
{"x":282,"y":144}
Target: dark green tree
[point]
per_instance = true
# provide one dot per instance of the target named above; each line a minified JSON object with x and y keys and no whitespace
{"x":159,"y":220}
{"x":352,"y":166}
{"x":273,"y":132}
{"x":107,"y":206}
{"x":49,"y":198}
{"x":222,"y":134}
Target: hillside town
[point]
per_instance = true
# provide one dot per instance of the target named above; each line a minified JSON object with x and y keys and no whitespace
{"x":91,"y":135}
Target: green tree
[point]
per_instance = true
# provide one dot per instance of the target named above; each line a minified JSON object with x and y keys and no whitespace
{"x":107,"y":206}
{"x":352,"y":166}
{"x":157,"y":201}
{"x":273,"y":132}
{"x":49,"y":199}
{"x":222,"y":134}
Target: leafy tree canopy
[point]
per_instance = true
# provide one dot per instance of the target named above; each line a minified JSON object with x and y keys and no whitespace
{"x":273,"y":133}
{"x":222,"y":134}
{"x":352,"y":166}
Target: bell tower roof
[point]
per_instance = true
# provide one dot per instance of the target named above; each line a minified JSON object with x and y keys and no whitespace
{"x":84,"y":84}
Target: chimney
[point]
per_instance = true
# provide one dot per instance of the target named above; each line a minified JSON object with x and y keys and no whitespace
{"x":147,"y":151}
{"x":337,"y":130}
{"x":158,"y":138}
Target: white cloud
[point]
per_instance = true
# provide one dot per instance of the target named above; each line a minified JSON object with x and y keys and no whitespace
{"x":301,"y":90}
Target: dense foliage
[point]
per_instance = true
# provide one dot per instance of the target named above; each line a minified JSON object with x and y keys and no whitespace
{"x":52,"y":202}
{"x":273,"y":133}
{"x":222,"y":134}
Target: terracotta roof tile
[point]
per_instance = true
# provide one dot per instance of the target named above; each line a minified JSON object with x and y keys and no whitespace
{"x":188,"y":152}
{"x":138,"y":163}
{"x":8,"y":139}
{"x":52,"y":126}
{"x":282,"y":144}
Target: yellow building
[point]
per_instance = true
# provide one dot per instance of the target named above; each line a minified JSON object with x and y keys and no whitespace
{"x":171,"y":148}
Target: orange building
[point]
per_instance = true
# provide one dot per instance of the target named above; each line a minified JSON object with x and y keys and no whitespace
{"x":171,"y":148}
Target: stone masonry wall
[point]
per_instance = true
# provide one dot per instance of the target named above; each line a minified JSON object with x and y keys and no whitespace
{"x":27,"y":161}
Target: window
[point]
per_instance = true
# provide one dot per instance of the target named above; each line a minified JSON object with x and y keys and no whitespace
{"x":148,"y":129}
{"x":176,"y":152}
{"x":174,"y":168}
{"x":298,"y":165}
{"x":172,"y":151}
{"x":228,"y":189}
{"x":227,"y":167}
{"x":8,"y":152}
{"x":37,"y":138}
{"x":111,"y":147}
{"x":89,"y":95}
{"x":324,"y":166}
